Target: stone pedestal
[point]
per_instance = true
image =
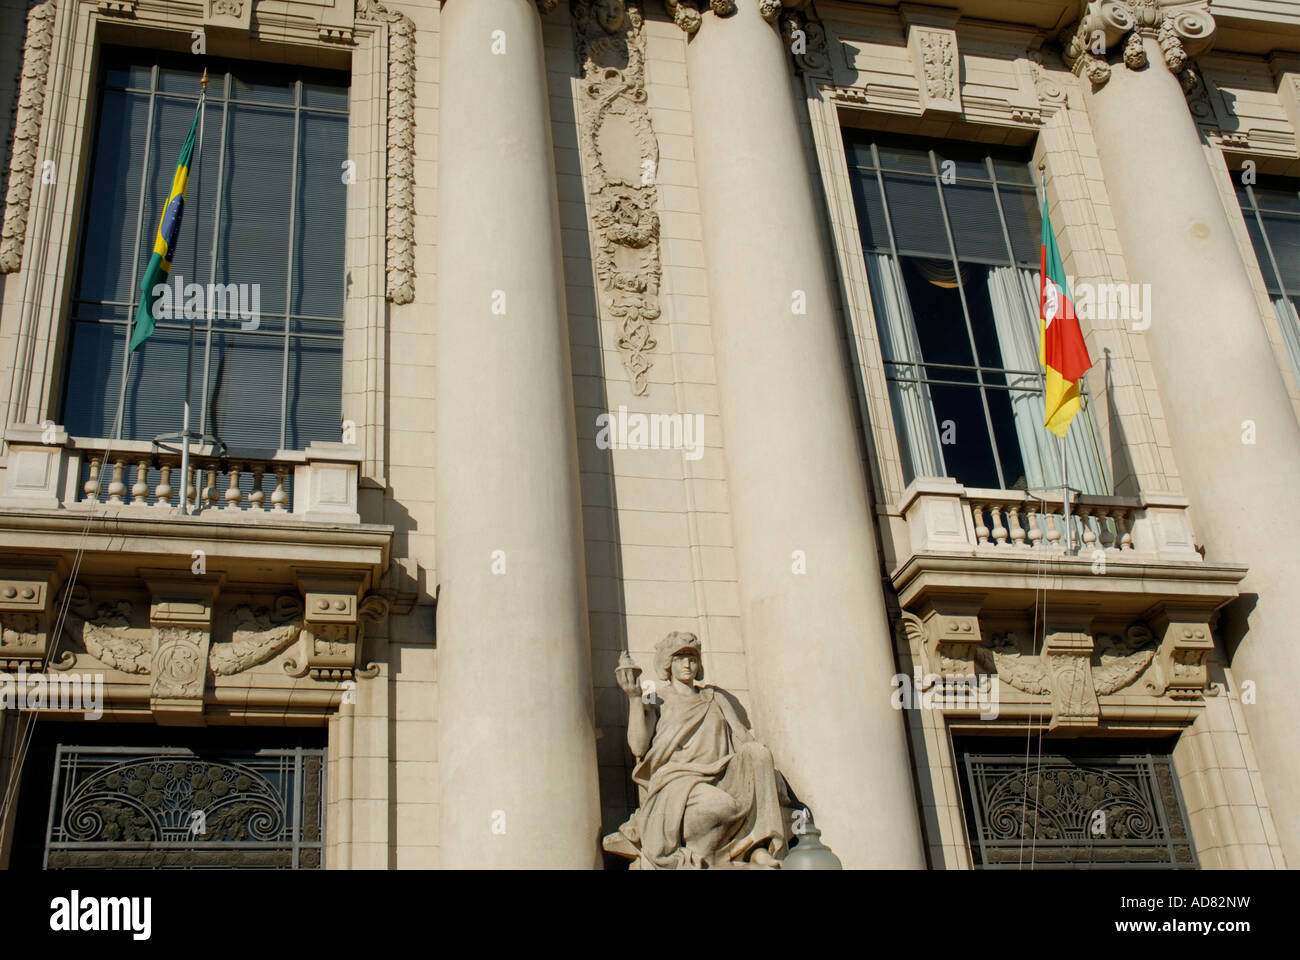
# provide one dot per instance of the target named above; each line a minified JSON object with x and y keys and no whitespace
{"x":817,"y":643}
{"x":516,"y":741}
{"x":1217,"y":371}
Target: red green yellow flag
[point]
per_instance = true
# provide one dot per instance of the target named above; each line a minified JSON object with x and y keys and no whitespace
{"x":1061,"y":349}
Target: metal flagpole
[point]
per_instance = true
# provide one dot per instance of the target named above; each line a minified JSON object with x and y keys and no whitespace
{"x":189,"y":349}
{"x":1065,"y":491}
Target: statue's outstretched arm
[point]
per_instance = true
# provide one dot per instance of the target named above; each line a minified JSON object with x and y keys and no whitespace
{"x":640,"y":715}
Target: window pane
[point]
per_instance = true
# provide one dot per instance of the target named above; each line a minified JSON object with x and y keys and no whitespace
{"x":1284,"y":237}
{"x":321,"y":214}
{"x":255,"y":208}
{"x":976,"y":226}
{"x":871,"y":213}
{"x":111,"y":215}
{"x":315,"y":400}
{"x":324,"y":96}
{"x":244,"y":376}
{"x":916,"y":216}
{"x":1024,"y":223}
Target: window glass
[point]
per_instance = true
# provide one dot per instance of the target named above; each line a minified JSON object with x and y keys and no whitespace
{"x":1272,"y":212}
{"x":263,"y":236}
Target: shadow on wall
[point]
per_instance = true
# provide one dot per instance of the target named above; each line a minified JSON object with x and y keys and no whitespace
{"x":1121,"y":465}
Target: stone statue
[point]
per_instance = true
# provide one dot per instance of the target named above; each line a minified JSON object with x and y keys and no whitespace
{"x":710,"y":795}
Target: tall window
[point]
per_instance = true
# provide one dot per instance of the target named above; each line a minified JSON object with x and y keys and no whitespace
{"x":951,"y":236}
{"x":1272,"y":212}
{"x":265,"y":211}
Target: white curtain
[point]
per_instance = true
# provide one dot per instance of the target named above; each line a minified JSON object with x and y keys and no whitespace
{"x":1289,"y":321}
{"x":1014,"y":295}
{"x":914,"y":422}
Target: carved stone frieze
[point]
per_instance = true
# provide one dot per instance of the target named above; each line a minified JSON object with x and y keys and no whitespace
{"x":1181,"y":30}
{"x":256,"y":635}
{"x":400,"y":201}
{"x":621,"y":157}
{"x":1074,"y":667}
{"x":27,"y":134}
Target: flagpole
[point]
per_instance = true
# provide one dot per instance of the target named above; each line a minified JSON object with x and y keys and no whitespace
{"x":1065,"y":493}
{"x":189,"y":349}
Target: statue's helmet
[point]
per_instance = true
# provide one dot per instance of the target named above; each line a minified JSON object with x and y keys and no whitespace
{"x":673,"y":644}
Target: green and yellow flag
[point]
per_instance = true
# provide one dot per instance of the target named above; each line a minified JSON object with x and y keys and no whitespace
{"x":164,"y":245}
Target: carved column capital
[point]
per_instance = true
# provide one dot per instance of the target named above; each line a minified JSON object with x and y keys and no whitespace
{"x":1182,"y":30}
{"x":688,"y":14}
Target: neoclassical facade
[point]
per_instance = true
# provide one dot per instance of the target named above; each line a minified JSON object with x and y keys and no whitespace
{"x":542,"y":353}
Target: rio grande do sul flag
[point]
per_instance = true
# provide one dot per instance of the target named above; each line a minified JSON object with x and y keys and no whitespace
{"x":164,"y":246}
{"x":1061,"y":349}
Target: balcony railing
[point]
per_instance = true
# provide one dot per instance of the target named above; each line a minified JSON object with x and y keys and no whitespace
{"x":943,"y":516}
{"x":49,"y":470}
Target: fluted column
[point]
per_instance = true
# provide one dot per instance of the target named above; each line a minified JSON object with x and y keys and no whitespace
{"x":516,"y":739}
{"x":1212,"y":358}
{"x":817,"y":644}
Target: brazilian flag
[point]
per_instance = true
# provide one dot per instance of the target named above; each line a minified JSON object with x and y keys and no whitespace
{"x":164,"y":245}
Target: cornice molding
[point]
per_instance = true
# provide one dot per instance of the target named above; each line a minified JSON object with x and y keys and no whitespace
{"x":1182,"y":29}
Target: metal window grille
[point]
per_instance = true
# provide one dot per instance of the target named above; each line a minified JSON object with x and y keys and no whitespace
{"x":1073,"y":812}
{"x":118,"y":808}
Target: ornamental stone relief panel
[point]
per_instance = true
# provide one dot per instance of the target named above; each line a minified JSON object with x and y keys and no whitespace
{"x":621,"y":157}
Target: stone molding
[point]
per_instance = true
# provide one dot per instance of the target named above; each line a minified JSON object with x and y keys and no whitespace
{"x":622,"y":194}
{"x":27,"y":133}
{"x":1182,"y":30}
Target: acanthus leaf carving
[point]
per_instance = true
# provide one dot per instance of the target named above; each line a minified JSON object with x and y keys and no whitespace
{"x":27,"y":133}
{"x":399,"y":255}
{"x":1180,"y":33}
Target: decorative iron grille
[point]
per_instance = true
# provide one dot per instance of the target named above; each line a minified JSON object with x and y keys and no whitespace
{"x":1059,"y":811}
{"x":114,"y":807}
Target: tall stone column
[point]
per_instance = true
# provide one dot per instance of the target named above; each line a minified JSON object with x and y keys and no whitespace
{"x":517,"y":753}
{"x":1211,"y":356}
{"x":817,"y":644}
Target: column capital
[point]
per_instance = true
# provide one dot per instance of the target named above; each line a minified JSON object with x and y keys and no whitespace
{"x":1182,"y":29}
{"x":686,"y":13}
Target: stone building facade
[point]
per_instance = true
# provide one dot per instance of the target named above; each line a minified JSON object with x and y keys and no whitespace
{"x":589,"y":322}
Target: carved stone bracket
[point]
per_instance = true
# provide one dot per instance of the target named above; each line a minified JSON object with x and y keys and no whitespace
{"x":946,"y":634}
{"x":27,"y":134}
{"x":400,"y":202}
{"x":228,"y":14}
{"x":1186,"y":641}
{"x":181,"y":617}
{"x":1181,"y":29}
{"x":805,"y":36}
{"x":333,"y":633}
{"x":621,"y":158}
{"x":26,"y":610}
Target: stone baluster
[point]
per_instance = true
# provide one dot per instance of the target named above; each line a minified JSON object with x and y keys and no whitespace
{"x":1089,"y":535}
{"x":164,"y":492}
{"x":140,"y":489}
{"x":233,"y":493}
{"x":210,"y":491}
{"x":279,"y":496}
{"x":1107,"y":536}
{"x":1035,"y":531}
{"x":1054,"y":525}
{"x":1017,"y":531}
{"x":257,"y":499}
{"x":117,"y":488}
{"x":981,"y":530}
{"x":91,"y":486}
{"x":999,"y":529}
{"x":1124,"y":527}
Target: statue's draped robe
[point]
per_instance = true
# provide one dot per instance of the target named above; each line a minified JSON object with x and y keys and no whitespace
{"x":700,"y":741}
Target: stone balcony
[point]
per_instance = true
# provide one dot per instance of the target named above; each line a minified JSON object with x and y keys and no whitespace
{"x":254,"y":604}
{"x":984,"y":577}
